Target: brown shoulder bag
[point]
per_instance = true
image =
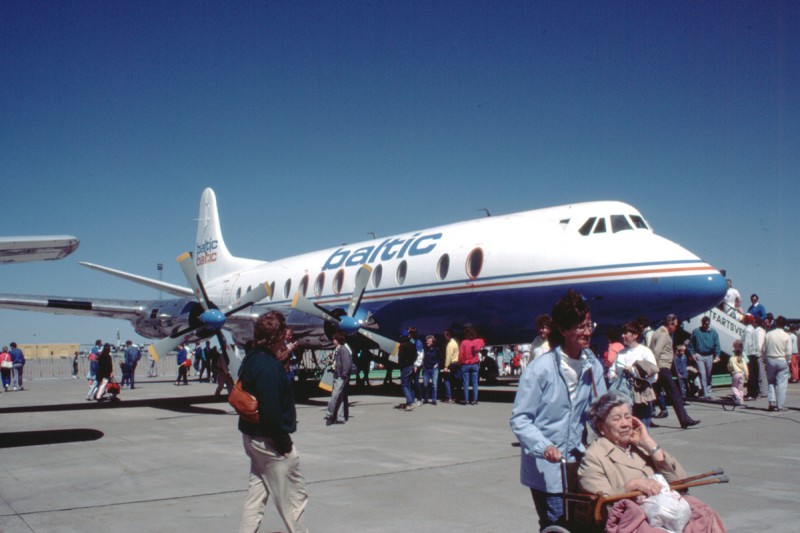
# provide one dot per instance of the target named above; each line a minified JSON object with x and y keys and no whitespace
{"x":245,"y":403}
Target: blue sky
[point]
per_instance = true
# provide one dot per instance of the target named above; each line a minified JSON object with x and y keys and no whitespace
{"x":319,"y":122}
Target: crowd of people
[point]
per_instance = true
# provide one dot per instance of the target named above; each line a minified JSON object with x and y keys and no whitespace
{"x":563,"y":389}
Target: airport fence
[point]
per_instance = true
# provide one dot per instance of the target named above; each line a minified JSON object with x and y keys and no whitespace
{"x":60,"y":367}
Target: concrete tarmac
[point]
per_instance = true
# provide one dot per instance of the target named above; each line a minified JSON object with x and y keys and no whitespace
{"x":170,"y":459}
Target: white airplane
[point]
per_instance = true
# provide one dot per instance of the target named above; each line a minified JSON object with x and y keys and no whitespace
{"x":37,"y":248}
{"x":496,"y":273}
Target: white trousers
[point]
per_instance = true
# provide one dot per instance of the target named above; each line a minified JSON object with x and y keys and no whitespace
{"x":272,"y":473}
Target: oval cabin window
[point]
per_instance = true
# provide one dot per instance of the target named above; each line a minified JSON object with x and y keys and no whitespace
{"x":302,"y":287}
{"x":338,"y":282}
{"x":443,"y":266}
{"x":287,"y":288}
{"x":402,"y":271}
{"x":474,"y":263}
{"x":319,"y":284}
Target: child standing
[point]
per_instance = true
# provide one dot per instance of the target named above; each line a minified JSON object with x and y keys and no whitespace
{"x":737,"y":366}
{"x":680,"y":368}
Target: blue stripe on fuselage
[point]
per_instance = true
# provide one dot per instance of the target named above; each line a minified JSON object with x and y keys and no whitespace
{"x":506,"y":312}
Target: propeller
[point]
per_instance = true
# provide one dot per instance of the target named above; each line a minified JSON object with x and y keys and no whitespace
{"x":348,"y":321}
{"x":209,"y":321}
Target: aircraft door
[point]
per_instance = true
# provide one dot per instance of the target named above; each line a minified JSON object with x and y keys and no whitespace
{"x":228,"y":288}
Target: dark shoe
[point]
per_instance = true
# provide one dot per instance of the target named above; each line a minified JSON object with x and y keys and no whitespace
{"x":654,"y":425}
{"x":328,"y":421}
{"x":662,"y":414}
{"x":690,"y":423}
{"x":771,"y":407}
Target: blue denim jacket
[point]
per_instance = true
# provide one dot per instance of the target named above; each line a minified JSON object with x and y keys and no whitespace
{"x":544,"y":415}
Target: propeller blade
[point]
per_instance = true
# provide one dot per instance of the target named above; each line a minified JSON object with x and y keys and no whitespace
{"x":301,"y":303}
{"x":384,"y":343}
{"x":186,"y":262}
{"x":362,"y":277}
{"x":253,"y":296}
{"x":163,"y":346}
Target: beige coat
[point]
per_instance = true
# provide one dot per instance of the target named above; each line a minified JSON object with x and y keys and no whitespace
{"x":606,"y":468}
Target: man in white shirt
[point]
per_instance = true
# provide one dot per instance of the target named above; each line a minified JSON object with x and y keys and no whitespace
{"x":777,"y":350}
{"x":732,"y":300}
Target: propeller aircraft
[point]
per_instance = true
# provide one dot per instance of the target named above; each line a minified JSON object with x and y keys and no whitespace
{"x":495,"y":273}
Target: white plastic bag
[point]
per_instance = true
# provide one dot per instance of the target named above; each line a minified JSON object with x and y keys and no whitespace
{"x":667,"y":509}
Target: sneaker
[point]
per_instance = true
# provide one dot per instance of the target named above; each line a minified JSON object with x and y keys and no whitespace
{"x":410,"y":407}
{"x":417,"y":403}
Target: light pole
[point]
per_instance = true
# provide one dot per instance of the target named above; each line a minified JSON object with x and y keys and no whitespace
{"x":160,"y":268}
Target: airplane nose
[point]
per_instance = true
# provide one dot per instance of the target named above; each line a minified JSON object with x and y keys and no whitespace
{"x":702,"y":292}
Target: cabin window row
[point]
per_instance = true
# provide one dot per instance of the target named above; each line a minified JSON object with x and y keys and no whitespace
{"x":474,"y":265}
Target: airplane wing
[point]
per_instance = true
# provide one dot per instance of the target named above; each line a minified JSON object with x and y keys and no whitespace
{"x":42,"y":248}
{"x":124,"y":309}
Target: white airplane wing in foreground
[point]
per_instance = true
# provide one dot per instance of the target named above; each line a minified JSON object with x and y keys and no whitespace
{"x":124,"y":309}
{"x":41,"y":248}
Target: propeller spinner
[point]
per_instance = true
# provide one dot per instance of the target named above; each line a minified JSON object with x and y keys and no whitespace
{"x":210,"y":321}
{"x":349,"y":321}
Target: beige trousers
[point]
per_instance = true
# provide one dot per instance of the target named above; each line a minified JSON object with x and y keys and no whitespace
{"x":272,"y":473}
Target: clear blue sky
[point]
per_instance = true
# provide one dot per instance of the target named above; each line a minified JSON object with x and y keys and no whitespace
{"x":318,"y":122}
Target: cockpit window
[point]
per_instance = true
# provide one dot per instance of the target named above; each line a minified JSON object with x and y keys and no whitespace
{"x":639,"y":222}
{"x":620,"y":223}
{"x":587,"y":226}
{"x":601,"y":226}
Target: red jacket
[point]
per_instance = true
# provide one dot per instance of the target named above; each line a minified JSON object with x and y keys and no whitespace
{"x":469,"y":353}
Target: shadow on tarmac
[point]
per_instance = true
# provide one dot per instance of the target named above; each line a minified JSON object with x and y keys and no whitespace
{"x":50,"y":436}
{"x":179,"y":405}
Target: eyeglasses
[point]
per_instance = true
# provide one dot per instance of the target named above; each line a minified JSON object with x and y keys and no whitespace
{"x":586,"y":326}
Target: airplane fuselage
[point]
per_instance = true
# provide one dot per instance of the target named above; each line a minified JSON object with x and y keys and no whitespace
{"x":495,"y":273}
{"x":498,"y":273}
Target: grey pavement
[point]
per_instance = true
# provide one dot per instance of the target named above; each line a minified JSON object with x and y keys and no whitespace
{"x":170,"y":459}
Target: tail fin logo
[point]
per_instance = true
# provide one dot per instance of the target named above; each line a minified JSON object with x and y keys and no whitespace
{"x":206,"y":252}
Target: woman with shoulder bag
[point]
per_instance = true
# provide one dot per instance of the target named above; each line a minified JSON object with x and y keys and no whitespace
{"x":6,"y":364}
{"x":274,"y":461}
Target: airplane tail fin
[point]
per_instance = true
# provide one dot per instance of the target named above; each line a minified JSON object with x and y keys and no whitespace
{"x":211,"y":256}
